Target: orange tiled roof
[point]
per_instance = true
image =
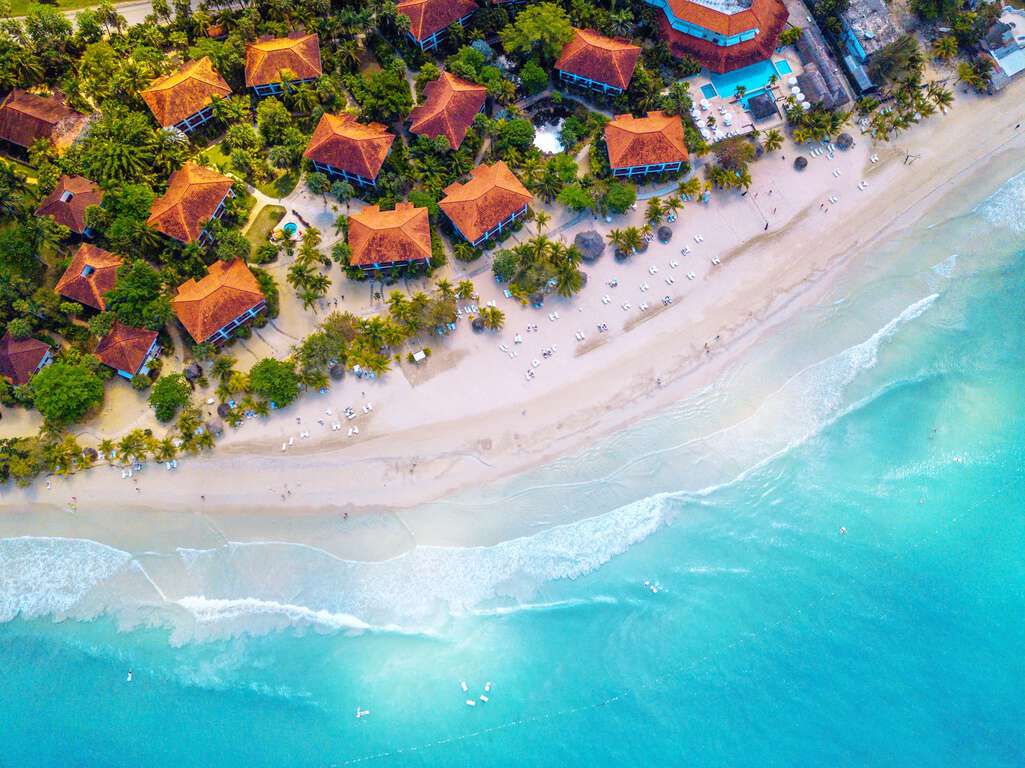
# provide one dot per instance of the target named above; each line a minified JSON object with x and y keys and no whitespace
{"x":450,"y":105}
{"x":266,"y":58}
{"x":125,"y":347}
{"x":184,"y":93}
{"x":19,"y":358}
{"x":429,"y":16}
{"x":228,"y":290}
{"x":89,"y":289}
{"x":492,"y":194}
{"x":80,"y":194}
{"x":649,"y":140}
{"x":599,"y":58}
{"x":26,"y":117}
{"x":193,"y":194}
{"x":383,"y":237}
{"x":348,"y":145}
{"x":768,"y":16}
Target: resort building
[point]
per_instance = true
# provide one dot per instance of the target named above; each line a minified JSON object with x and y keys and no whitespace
{"x":638,"y":146}
{"x":195,"y":196}
{"x":487,"y":204}
{"x":449,"y":108}
{"x":213,"y":308}
{"x":600,"y":63}
{"x":127,"y":350}
{"x":1005,"y":44}
{"x":816,"y":57}
{"x":25,"y":118}
{"x":722,"y":34}
{"x":184,"y":98}
{"x":342,"y":146}
{"x":68,"y":202}
{"x":90,"y":276}
{"x":383,"y":239}
{"x":268,"y":57}
{"x":21,"y":359}
{"x":867,"y":29}
{"x":430,"y":19}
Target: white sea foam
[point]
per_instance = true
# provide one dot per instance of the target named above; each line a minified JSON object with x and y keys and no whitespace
{"x":946,"y":267}
{"x":41,"y":576}
{"x":1006,"y":207}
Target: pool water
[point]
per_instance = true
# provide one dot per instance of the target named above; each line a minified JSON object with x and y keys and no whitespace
{"x":290,"y":228}
{"x":708,"y":91}
{"x":753,"y":78}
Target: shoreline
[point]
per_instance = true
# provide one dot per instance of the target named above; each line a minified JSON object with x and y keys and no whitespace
{"x":464,"y":440}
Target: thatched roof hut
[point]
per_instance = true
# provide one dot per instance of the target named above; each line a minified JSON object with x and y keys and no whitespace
{"x":800,"y":163}
{"x":223,"y":410}
{"x":590,"y":244}
{"x":336,"y":372}
{"x":193,"y":371}
{"x":845,"y":141}
{"x":665,"y":234}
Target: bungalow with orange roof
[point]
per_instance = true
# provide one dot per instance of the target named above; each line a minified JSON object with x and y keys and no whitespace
{"x":68,"y":202}
{"x":638,"y":146}
{"x":600,"y":63}
{"x":268,"y":57}
{"x":195,"y":196}
{"x":487,"y":204}
{"x":213,"y":308}
{"x":127,"y":350}
{"x":384,"y":239}
{"x":449,"y":108}
{"x":722,"y":34}
{"x":343,"y":146}
{"x":430,"y":19}
{"x":25,"y":118}
{"x":90,"y":276}
{"x":184,"y":99}
{"x":21,"y":359}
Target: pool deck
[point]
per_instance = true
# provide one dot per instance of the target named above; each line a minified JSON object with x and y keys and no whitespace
{"x":729,"y":107}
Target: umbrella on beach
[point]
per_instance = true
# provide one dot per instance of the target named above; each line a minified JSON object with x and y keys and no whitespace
{"x":590,"y":244}
{"x":477,"y":324}
{"x":665,"y":234}
{"x":215,"y":427}
{"x":223,"y":410}
{"x":845,"y":141}
{"x":337,"y":372}
{"x":800,"y":163}
{"x":193,"y":371}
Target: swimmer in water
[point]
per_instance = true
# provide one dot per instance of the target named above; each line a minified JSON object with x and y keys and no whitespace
{"x":843,"y":531}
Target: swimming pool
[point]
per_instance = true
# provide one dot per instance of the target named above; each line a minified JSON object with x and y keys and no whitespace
{"x":708,"y":91}
{"x":753,"y":79}
{"x":290,"y":228}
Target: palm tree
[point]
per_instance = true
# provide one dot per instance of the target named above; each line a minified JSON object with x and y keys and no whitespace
{"x":773,"y":140}
{"x":304,"y":99}
{"x":465,"y":290}
{"x":942,"y":97}
{"x":445,"y":289}
{"x":690,"y":188}
{"x":618,"y":240}
{"x":492,"y":317}
{"x":621,"y":23}
{"x":106,"y":447}
{"x":166,"y":450}
{"x":672,"y":204}
{"x":945,"y":48}
{"x":541,"y":220}
{"x":654,"y":212}
{"x":223,"y":367}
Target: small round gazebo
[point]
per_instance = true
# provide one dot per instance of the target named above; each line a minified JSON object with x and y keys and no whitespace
{"x":845,"y":141}
{"x":590,"y":244}
{"x":800,"y":163}
{"x":665,"y":234}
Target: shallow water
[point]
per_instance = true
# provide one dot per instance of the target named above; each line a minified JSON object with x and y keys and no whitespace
{"x":680,"y":594}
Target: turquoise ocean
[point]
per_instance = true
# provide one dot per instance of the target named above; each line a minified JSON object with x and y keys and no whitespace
{"x":679,"y":594}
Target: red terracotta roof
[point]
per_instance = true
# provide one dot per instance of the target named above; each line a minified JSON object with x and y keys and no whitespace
{"x":450,"y":105}
{"x":91,"y":274}
{"x":348,"y":145}
{"x":184,"y":93}
{"x":385,"y":237}
{"x":491,"y":195}
{"x":429,"y":16}
{"x":228,"y":290}
{"x":768,"y":16}
{"x":599,"y":58}
{"x":268,"y":56}
{"x":19,"y":358}
{"x":125,"y":347}
{"x":68,"y":201}
{"x":193,"y":194}
{"x":26,"y":117}
{"x":649,"y":140}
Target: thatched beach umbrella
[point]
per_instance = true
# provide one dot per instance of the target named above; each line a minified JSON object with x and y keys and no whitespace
{"x":590,"y":244}
{"x":477,"y":324}
{"x":621,"y":255}
{"x":845,"y":141}
{"x":336,"y":372}
{"x":800,"y":163}
{"x":193,"y":371}
{"x":90,"y":453}
{"x":537,"y":299}
{"x":643,"y":246}
{"x":215,"y":427}
{"x":223,"y":410}
{"x":665,"y":234}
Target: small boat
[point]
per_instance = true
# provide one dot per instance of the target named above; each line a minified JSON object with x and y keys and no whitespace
{"x":130,"y":676}
{"x":471,"y":703}
{"x":463,"y":686}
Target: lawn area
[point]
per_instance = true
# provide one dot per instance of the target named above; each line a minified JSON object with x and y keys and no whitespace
{"x":21,"y":7}
{"x":266,"y":219}
{"x":282,"y":185}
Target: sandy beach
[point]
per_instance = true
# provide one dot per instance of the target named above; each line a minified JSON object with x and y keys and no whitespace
{"x":471,"y":416}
